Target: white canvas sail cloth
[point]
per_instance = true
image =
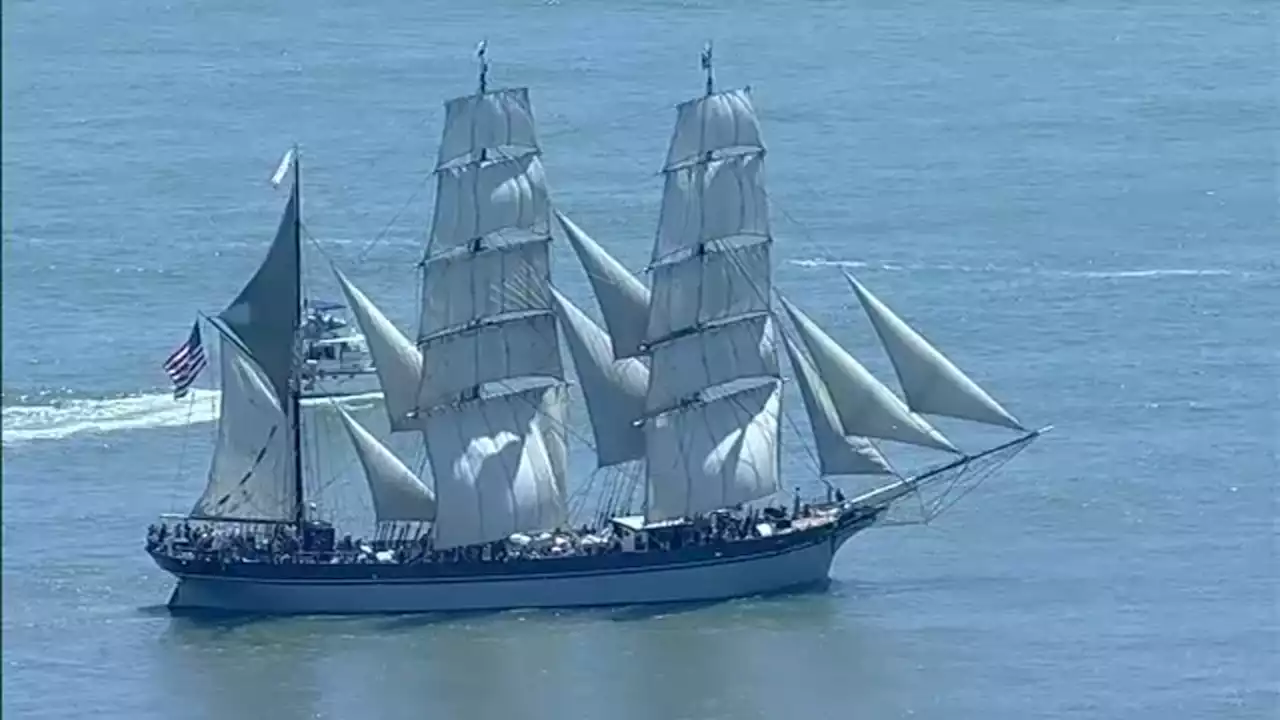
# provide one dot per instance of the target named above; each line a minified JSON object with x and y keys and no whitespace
{"x":931,"y":383}
{"x":623,"y":299}
{"x":398,"y":495}
{"x":614,"y":389}
{"x":497,"y":464}
{"x":522,"y":346}
{"x":714,"y":391}
{"x":837,"y":454}
{"x":462,"y":289}
{"x":491,"y":398}
{"x":865,"y":406}
{"x":251,"y":474}
{"x":713,"y":201}
{"x":714,"y":123}
{"x":739,"y":349}
{"x":703,"y":289}
{"x":395,"y":359}
{"x":478,"y":199}
{"x":488,"y":121}
{"x":715,"y":456}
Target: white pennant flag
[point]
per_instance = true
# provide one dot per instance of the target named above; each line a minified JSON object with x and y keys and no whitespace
{"x":285,"y":163}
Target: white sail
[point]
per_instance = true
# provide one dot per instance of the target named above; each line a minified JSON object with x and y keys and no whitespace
{"x":719,"y":122}
{"x":623,"y":299}
{"x":498,"y":454}
{"x":708,"y":288}
{"x":498,"y":466}
{"x":520,"y":346}
{"x":865,"y":406}
{"x":461,"y":289}
{"x":931,"y":383}
{"x":709,"y":331}
{"x":711,"y":201}
{"x":495,"y":120}
{"x":396,"y":360}
{"x":484,"y":197}
{"x":837,"y":454}
{"x":714,"y":455}
{"x":614,"y":389}
{"x":251,"y":477}
{"x":398,"y":495}
{"x":738,"y":349}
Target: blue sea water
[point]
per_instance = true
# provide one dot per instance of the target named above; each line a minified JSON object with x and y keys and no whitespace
{"x":1077,"y":201}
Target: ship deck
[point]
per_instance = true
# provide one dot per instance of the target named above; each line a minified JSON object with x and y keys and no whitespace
{"x":804,"y":532}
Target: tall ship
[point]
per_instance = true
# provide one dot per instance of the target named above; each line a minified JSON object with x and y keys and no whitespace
{"x":682,"y":385}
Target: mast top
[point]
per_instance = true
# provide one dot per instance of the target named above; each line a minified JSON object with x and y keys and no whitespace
{"x":484,"y":65}
{"x":706,"y":66}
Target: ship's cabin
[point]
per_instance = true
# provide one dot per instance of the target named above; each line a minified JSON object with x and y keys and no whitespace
{"x":331,"y":346}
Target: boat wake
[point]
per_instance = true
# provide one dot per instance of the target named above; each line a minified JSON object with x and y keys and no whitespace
{"x":1150,"y":273}
{"x":61,"y":418}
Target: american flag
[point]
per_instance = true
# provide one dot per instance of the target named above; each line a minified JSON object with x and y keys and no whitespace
{"x":185,"y":363}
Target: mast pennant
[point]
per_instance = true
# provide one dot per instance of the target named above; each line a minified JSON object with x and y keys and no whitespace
{"x":286,"y":164}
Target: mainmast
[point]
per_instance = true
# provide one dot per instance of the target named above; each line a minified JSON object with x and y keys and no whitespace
{"x":706,"y":66}
{"x":714,"y":393}
{"x":295,"y":385}
{"x":491,"y":398}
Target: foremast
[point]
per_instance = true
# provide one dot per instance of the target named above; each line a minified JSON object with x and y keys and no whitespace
{"x":707,"y":332}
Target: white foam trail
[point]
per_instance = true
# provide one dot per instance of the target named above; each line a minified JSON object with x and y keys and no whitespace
{"x":1151,"y":273}
{"x":26,"y":423}
{"x":1126,"y":274}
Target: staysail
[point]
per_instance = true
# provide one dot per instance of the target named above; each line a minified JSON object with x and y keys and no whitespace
{"x":623,"y":299}
{"x":865,"y":406}
{"x":398,"y":495}
{"x":397,"y":362}
{"x":931,"y":383}
{"x":614,"y":388}
{"x":838,"y":454}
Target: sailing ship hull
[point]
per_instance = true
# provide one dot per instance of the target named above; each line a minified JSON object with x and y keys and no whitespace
{"x":745,"y":568}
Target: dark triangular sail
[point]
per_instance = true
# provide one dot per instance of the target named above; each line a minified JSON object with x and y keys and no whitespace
{"x":264,"y":316}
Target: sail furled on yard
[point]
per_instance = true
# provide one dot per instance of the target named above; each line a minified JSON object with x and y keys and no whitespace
{"x":613,"y":388}
{"x":866,"y":407}
{"x":491,"y":395}
{"x":251,"y":476}
{"x":714,"y":394}
{"x":398,"y":494}
{"x":623,"y":299}
{"x":264,"y":317}
{"x":931,"y":383}
{"x":397,"y":361}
